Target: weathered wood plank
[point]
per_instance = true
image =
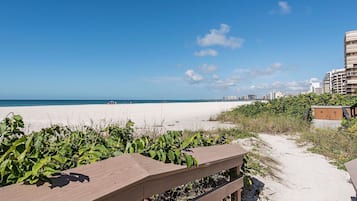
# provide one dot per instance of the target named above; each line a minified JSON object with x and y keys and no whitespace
{"x":352,"y":170}
{"x":223,"y":191}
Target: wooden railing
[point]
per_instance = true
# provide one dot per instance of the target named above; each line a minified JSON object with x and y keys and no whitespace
{"x":136,"y":177}
{"x":352,"y":170}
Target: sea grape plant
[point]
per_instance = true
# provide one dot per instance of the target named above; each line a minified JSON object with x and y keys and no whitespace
{"x":34,"y":157}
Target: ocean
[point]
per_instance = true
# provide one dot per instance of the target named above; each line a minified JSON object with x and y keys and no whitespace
{"x":11,"y":103}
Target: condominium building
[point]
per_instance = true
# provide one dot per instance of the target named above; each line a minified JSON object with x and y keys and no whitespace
{"x":274,"y":95}
{"x":335,"y":82}
{"x":326,"y":83}
{"x":338,"y":81}
{"x":315,"y":86}
{"x":351,"y":62}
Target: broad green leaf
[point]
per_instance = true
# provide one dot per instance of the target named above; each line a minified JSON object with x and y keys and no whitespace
{"x":40,"y":164}
{"x":3,"y":166}
{"x":131,"y":150}
{"x":152,"y":153}
{"x":13,"y":148}
{"x":163,"y":155}
{"x":128,"y":146}
{"x":117,"y":153}
{"x":27,"y":175}
{"x":33,"y":181}
{"x":171,"y":156}
{"x":17,"y":117}
{"x":2,"y":127}
{"x":47,"y":171}
{"x":189,"y":160}
{"x":28,"y":146}
{"x":60,"y":159}
{"x":186,"y":143}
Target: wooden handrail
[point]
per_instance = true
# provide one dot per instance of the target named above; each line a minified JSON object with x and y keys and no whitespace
{"x":352,"y":170}
{"x":132,"y":177}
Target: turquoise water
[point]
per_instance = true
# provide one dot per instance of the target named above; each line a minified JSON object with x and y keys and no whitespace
{"x":9,"y":103}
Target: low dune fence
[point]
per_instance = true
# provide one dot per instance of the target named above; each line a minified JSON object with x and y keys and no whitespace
{"x":133,"y":177}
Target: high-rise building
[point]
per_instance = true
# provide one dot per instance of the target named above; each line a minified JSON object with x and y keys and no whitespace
{"x":326,"y":83}
{"x":335,"y":82}
{"x":338,"y":81}
{"x":315,"y":86}
{"x":351,"y":62}
{"x":274,"y":95}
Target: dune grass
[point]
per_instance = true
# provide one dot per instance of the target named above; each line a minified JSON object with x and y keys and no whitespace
{"x":339,"y":145}
{"x":265,"y":122}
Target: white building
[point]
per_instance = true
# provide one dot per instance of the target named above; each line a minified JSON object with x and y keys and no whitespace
{"x":315,"y":86}
{"x":275,"y":94}
{"x":230,"y":98}
{"x":335,"y":81}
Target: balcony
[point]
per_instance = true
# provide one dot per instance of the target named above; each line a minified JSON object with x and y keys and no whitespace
{"x":352,"y":81}
{"x":351,"y":48}
{"x":351,"y":35}
{"x":351,"y":59}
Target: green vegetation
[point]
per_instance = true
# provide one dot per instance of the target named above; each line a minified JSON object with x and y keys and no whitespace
{"x":32,"y":158}
{"x":283,"y":115}
{"x":292,"y":115}
{"x":338,"y":145}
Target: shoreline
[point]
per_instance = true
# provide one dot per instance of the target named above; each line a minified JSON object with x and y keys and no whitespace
{"x":147,"y":116}
{"x":35,"y":103}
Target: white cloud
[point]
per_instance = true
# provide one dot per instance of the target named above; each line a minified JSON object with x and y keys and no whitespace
{"x":314,"y":79}
{"x":225,"y":83}
{"x":273,"y":68}
{"x":208,"y":68}
{"x":193,"y":77}
{"x":285,"y":8}
{"x":206,"y":52}
{"x":290,"y":87}
{"x":260,"y":72}
{"x":219,"y":37}
{"x":215,"y":77}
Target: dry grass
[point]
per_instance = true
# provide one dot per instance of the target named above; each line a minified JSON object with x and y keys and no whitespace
{"x":338,"y":145}
{"x":266,"y":123}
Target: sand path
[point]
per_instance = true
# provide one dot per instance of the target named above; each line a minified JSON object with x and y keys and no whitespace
{"x":306,"y":176}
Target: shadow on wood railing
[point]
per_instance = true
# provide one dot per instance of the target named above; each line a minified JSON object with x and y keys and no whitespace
{"x":136,"y":177}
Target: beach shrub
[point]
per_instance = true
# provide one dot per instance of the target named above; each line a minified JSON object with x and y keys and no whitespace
{"x":33,"y":157}
{"x":288,"y":114}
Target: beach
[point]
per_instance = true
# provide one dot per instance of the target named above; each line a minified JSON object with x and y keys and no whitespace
{"x":304,"y":176}
{"x":147,"y":116}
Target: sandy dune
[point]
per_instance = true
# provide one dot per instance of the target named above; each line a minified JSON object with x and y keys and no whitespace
{"x":305,"y":176}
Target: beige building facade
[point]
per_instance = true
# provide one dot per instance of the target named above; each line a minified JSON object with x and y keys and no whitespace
{"x":335,"y":82}
{"x":351,"y":62}
{"x":338,"y":81}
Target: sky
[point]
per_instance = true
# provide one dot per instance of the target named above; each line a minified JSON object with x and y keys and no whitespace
{"x":161,"y":49}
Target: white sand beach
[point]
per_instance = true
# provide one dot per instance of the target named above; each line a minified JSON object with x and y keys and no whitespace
{"x":158,"y":116}
{"x":305,"y":176}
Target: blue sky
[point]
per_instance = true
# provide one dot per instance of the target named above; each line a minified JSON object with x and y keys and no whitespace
{"x":168,"y":49}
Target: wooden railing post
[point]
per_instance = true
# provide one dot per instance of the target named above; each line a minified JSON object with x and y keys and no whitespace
{"x":233,"y":174}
